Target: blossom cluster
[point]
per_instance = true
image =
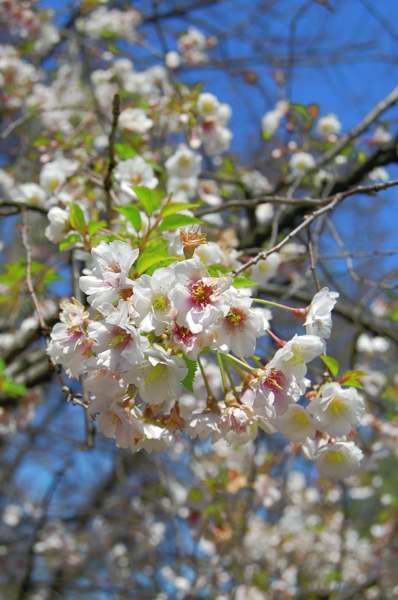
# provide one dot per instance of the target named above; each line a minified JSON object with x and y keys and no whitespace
{"x":142,"y":338}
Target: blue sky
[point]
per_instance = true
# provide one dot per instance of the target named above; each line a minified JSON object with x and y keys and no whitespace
{"x":349,"y":88}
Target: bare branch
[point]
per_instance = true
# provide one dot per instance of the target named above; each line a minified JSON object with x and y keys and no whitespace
{"x":111,"y":157}
{"x":29,"y":279}
{"x":327,"y":205}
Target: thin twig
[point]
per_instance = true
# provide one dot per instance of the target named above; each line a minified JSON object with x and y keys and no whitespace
{"x":29,"y":278}
{"x":111,"y":157}
{"x":25,"y":586}
{"x":326,"y":206}
{"x":253,"y":202}
{"x":16,"y":207}
{"x":313,"y":259}
{"x":356,"y":131}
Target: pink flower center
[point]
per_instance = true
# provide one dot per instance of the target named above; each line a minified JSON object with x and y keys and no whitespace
{"x":274,"y":381}
{"x":201,"y":294}
{"x":208,"y":125}
{"x":75,"y":333}
{"x":235,"y":318}
{"x":182,"y":334}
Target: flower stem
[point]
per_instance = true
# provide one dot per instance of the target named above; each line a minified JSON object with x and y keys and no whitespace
{"x":210,"y":395}
{"x":237,"y":361}
{"x":222,"y":371}
{"x":229,"y":375}
{"x":275,"y":304}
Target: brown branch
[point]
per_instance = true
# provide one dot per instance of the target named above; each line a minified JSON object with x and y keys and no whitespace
{"x":16,"y":207}
{"x":179,"y":11}
{"x":327,"y":205}
{"x":356,"y":131}
{"x":29,"y":279}
{"x":41,"y":522}
{"x":111,"y":157}
{"x":255,"y":201}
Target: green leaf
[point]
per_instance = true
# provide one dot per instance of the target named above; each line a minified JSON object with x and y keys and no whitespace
{"x":165,"y":262}
{"x":227,"y":167}
{"x":352,"y":378}
{"x":50,"y":276}
{"x":261,"y":580}
{"x":176,"y":207}
{"x":155,"y":254}
{"x":192,"y":366}
{"x":239,"y":282}
{"x":302,"y":110}
{"x":132,"y":214}
{"x":76,"y":218}
{"x":195,"y":494}
{"x":394,"y":313}
{"x":12,"y":388}
{"x":14,"y":273}
{"x":176,"y":221}
{"x":69,"y":241}
{"x":217,"y":270}
{"x":94,"y":226}
{"x":150,"y":200}
{"x":331,"y":364}
{"x":125,"y":151}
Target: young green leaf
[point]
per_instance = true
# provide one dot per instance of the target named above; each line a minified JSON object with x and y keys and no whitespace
{"x":12,"y":388}
{"x":69,"y":241}
{"x":352,"y":378}
{"x":175,"y":221}
{"x":239,"y":282}
{"x":153,"y":258}
{"x":331,"y":364}
{"x":125,"y":151}
{"x":150,"y":200}
{"x":217,"y":270}
{"x":192,"y":366}
{"x":132,"y":214}
{"x":94,"y":226}
{"x":76,"y":218}
{"x":176,"y":207}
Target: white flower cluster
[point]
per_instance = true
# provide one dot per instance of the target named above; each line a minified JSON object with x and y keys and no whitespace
{"x":135,"y":344}
{"x":104,"y":22}
{"x":59,"y":104}
{"x":213,"y":118}
{"x":17,"y":78}
{"x":193,"y":46}
{"x":271,"y":120}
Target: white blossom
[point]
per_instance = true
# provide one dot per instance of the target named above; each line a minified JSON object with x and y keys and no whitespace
{"x":328,"y":125}
{"x":296,"y":423}
{"x":337,"y":409}
{"x":301,"y":162}
{"x":134,"y":172}
{"x":318,"y":317}
{"x":339,"y":460}
{"x":159,"y":378}
{"x":184,"y":164}
{"x":136,"y":120}
{"x":58,"y":224}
